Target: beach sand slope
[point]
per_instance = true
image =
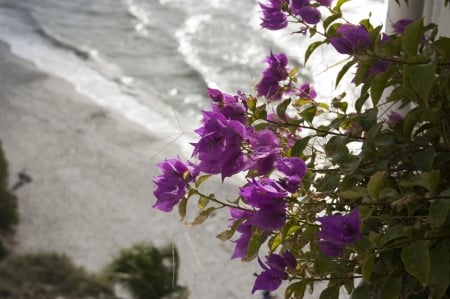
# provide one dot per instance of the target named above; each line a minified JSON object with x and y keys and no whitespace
{"x":91,"y":189}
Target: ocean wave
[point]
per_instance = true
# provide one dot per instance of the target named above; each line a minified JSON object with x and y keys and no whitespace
{"x":58,"y":61}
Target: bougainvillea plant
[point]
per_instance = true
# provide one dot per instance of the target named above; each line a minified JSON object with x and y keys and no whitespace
{"x":350,"y":192}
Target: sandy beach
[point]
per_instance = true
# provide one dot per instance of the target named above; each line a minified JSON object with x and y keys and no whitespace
{"x":91,"y":193}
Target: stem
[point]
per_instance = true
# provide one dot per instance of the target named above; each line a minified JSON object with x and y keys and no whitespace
{"x":315,"y":129}
{"x":224,"y":204}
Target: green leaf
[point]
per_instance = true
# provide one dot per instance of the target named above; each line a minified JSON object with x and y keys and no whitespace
{"x":330,"y":20}
{"x":422,"y":78}
{"x":275,"y":241}
{"x":351,"y":164}
{"x":349,"y":194}
{"x":311,"y":48}
{"x":364,"y":65}
{"x":228,"y":234}
{"x":361,"y":292}
{"x":328,"y":183}
{"x":330,"y":292}
{"x":377,"y":86}
{"x":201,"y":179}
{"x":439,"y":210}
{"x":202,"y":202}
{"x":343,"y":71}
{"x":361,"y":101}
{"x":439,"y":272}
{"x":323,"y":264}
{"x":299,"y":146}
{"x":394,"y":233}
{"x":367,"y":267}
{"x":391,"y":288}
{"x":309,"y":113}
{"x":410,"y":121}
{"x":429,"y":180}
{"x":376,"y":183}
{"x":182,"y":206}
{"x":281,"y":109}
{"x":296,"y":290}
{"x":339,"y":3}
{"x":256,"y":240}
{"x":443,"y":47}
{"x":369,"y":119}
{"x":201,"y":217}
{"x":339,"y":154}
{"x":416,"y":259}
{"x":424,"y":159}
{"x":411,"y":37}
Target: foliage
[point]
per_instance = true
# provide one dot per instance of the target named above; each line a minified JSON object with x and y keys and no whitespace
{"x":356,"y":191}
{"x":9,"y":216}
{"x":147,"y":272}
{"x":8,"y":203}
{"x":48,"y":275}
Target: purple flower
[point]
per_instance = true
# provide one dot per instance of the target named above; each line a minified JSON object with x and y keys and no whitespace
{"x":228,"y":105}
{"x":394,"y":118}
{"x":400,"y":25}
{"x":338,"y":231}
{"x":352,"y":39}
{"x":274,"y":271}
{"x":269,"y":86}
{"x":171,"y":185}
{"x":219,"y":148}
{"x":380,"y":66}
{"x":268,"y":196}
{"x":306,"y":91}
{"x":308,"y":13}
{"x":265,"y":150}
{"x":273,"y":17}
{"x":294,"y":170}
{"x":241,"y":248}
{"x":245,"y":229}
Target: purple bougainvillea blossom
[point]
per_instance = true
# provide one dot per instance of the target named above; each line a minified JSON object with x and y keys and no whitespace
{"x":400,"y":25}
{"x":273,"y":17}
{"x":171,"y":185}
{"x":269,"y":86}
{"x":380,"y":66}
{"x":274,"y":271}
{"x":352,"y":39}
{"x":219,"y":147}
{"x":394,"y":118}
{"x":241,"y":247}
{"x":265,"y":150}
{"x":294,"y":169}
{"x":267,"y":196}
{"x":309,"y":14}
{"x":306,"y":91}
{"x":232,"y":107}
{"x":338,"y":231}
{"x":245,"y":230}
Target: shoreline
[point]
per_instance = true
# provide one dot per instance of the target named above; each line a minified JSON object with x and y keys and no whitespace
{"x":91,"y":193}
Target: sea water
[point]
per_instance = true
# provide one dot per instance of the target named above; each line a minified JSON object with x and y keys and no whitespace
{"x":152,"y":60}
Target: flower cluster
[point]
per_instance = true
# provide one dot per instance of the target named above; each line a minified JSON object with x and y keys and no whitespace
{"x":274,"y":271}
{"x":276,"y":12}
{"x":171,"y":186}
{"x":341,"y":191}
{"x":338,"y":231}
{"x":351,"y":39}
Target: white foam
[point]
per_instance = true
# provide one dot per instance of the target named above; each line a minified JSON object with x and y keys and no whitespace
{"x":87,"y":81}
